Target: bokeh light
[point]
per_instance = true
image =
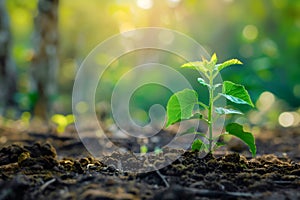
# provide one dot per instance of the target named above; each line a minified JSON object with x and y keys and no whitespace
{"x":286,"y":119}
{"x":144,"y":4}
{"x":265,"y":101}
{"x":81,"y":107}
{"x":250,"y":32}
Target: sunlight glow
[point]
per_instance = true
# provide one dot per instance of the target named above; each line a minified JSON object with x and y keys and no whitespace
{"x":126,"y":26}
{"x":144,"y":4}
{"x":166,"y":37}
{"x":228,"y":1}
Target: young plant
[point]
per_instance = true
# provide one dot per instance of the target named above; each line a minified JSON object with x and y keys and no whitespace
{"x":181,"y":104}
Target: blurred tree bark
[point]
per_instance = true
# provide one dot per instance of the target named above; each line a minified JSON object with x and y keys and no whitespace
{"x":7,"y":66}
{"x":45,"y":60}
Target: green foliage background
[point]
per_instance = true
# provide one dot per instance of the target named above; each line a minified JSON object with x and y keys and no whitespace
{"x":263,"y":34}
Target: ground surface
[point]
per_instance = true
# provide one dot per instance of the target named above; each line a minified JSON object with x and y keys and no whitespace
{"x":36,"y":165}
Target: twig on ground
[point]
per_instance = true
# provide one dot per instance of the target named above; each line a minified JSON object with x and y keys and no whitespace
{"x":43,"y":187}
{"x":162,"y":178}
{"x":218,"y":194}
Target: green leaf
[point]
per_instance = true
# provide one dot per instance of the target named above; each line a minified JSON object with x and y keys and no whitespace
{"x":214,"y":59}
{"x":225,"y":111}
{"x":210,"y":65}
{"x":198,"y":145}
{"x":202,"y":82}
{"x":237,"y":131}
{"x":181,"y":105}
{"x":228,"y":63}
{"x":203,"y":66}
{"x":236,"y":93}
{"x":195,"y":116}
{"x":199,"y":66}
{"x":234,"y":99}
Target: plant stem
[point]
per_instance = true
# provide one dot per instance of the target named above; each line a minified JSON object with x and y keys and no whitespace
{"x":210,"y":111}
{"x":203,"y":105}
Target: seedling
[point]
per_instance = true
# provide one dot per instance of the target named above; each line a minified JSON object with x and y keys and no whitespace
{"x":181,"y":105}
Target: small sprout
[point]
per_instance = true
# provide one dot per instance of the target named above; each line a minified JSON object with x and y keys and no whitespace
{"x":181,"y":105}
{"x":62,"y":121}
{"x":157,"y":150}
{"x":25,"y":118}
{"x":197,"y":145}
{"x":143,"y":149}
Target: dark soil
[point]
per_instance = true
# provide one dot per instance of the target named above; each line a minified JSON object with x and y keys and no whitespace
{"x":31,"y":168}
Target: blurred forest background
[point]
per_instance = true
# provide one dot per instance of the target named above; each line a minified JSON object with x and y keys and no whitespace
{"x":43,"y":42}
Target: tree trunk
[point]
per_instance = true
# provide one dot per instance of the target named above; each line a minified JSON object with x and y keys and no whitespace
{"x":7,"y":66}
{"x":45,"y":60}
